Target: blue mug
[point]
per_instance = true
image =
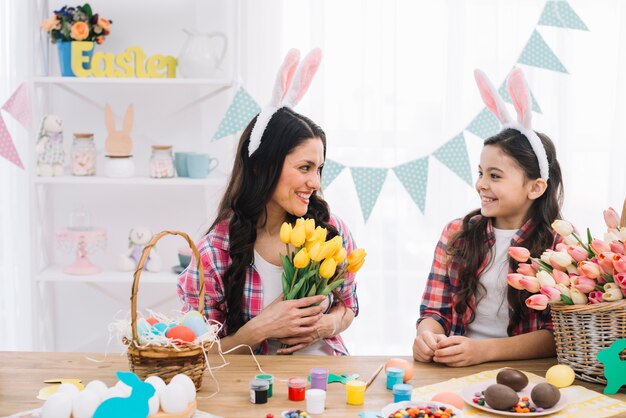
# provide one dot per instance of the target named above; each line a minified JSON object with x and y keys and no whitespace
{"x":200,"y":165}
{"x":180,"y":162}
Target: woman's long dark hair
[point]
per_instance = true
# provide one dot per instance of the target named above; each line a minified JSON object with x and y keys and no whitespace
{"x":251,"y":186}
{"x":468,"y":246}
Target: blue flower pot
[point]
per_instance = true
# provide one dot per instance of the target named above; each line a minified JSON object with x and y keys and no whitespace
{"x":65,"y":58}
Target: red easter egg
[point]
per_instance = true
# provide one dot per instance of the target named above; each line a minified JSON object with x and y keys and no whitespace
{"x":181,"y":334}
{"x":152,"y":320}
{"x":402,"y":364}
{"x":449,"y":398}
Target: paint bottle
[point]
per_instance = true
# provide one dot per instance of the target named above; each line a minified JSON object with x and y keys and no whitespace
{"x":315,"y":401}
{"x":355,"y":392}
{"x":319,"y":378}
{"x":395,"y":375}
{"x":270,"y":379}
{"x":402,"y":392}
{"x":258,"y":391}
{"x":297,"y":388}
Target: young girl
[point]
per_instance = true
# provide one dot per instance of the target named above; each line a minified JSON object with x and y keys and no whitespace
{"x":275,"y":178}
{"x":468,"y":314}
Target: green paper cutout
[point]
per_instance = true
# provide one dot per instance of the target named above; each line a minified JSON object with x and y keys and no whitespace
{"x":135,"y":406}
{"x":614,"y":366}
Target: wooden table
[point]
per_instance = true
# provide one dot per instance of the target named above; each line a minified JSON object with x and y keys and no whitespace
{"x":22,"y":375}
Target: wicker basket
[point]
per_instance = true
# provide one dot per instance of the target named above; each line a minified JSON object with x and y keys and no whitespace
{"x":581,"y":331}
{"x":166,"y":362}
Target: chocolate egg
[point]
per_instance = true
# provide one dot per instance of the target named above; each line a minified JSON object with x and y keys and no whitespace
{"x":501,"y":397}
{"x":512,"y":378}
{"x":545,"y":395}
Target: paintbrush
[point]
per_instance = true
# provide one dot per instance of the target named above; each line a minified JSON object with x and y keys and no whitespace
{"x":373,"y":376}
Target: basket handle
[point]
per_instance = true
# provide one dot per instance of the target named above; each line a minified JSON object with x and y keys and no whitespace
{"x":142,"y":261}
{"x":622,"y":223}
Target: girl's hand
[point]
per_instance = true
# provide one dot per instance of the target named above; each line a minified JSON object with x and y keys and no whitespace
{"x":325,"y":327}
{"x":289,"y":318}
{"x":458,"y":351}
{"x":425,"y":344}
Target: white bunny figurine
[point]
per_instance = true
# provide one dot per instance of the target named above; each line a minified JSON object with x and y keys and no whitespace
{"x":49,"y":148}
{"x":138,"y":237}
{"x":134,"y":406}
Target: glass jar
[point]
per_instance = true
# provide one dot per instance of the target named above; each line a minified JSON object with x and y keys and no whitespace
{"x":83,"y":155}
{"x":161,"y":162}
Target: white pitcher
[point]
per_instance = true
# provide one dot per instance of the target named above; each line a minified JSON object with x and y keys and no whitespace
{"x":198,"y":58}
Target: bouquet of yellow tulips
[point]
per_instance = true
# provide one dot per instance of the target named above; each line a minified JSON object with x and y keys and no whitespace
{"x":316,"y":266}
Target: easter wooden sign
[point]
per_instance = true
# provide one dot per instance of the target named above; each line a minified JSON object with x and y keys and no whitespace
{"x":131,"y":63}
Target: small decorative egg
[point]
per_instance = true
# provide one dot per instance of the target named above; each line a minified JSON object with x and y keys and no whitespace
{"x":501,"y":397}
{"x":152,"y":320}
{"x":173,"y":399}
{"x":449,"y":398}
{"x":197,"y":324}
{"x":85,"y":404}
{"x":97,"y":387}
{"x":153,"y":404}
{"x":68,"y":388}
{"x":159,"y":328}
{"x":190,"y":314}
{"x":187,"y":384}
{"x":181,"y":334}
{"x":113,"y":392}
{"x":545,"y":395}
{"x":402,"y":364}
{"x":143,"y":327}
{"x":58,"y":405}
{"x":512,"y":378}
{"x":157,"y":383}
{"x":123,"y":388}
{"x":560,"y":376}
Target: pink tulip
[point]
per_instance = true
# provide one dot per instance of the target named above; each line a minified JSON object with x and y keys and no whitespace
{"x":583,"y":284}
{"x":513,"y":280}
{"x":577,"y":252}
{"x":561,"y":246}
{"x":595,"y":297}
{"x":538,"y":302}
{"x":526,"y":269}
{"x":530,"y":283}
{"x":561,"y":277}
{"x":611,"y":217}
{"x":578,"y":297}
{"x":619,"y":263}
{"x":617,"y":247}
{"x":599,"y":246}
{"x":605,"y":260}
{"x":589,"y":269}
{"x":552,"y":293}
{"x":519,"y":254}
{"x":620,"y":279}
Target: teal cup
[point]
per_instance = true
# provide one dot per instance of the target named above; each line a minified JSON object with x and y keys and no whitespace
{"x":200,"y":165}
{"x":180,"y":162}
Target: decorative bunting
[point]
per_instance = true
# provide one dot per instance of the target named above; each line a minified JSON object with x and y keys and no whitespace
{"x":453,"y":154}
{"x":19,"y":107}
{"x":331,"y":171}
{"x":484,"y":125}
{"x":368,"y":182}
{"x":7,"y":148}
{"x":504,"y":93}
{"x":414,"y":177}
{"x":240,"y":112}
{"x":538,"y":54}
{"x":560,"y":14}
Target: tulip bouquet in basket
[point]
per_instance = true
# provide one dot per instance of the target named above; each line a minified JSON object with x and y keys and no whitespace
{"x":317,"y":266}
{"x":579,"y":272}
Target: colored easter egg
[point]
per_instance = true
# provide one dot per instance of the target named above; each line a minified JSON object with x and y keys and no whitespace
{"x":159,"y":328}
{"x":152,"y":320}
{"x":143,"y":327}
{"x":192,"y":313}
{"x":402,"y":364}
{"x":181,"y":334}
{"x":560,"y":376}
{"x":197,"y":324}
{"x":449,"y":398}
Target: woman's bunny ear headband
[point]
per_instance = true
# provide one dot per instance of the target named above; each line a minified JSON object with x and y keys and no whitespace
{"x":290,"y":86}
{"x":520,"y":95}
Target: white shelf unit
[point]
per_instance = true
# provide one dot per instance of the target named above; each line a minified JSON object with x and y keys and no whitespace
{"x":181,"y":112}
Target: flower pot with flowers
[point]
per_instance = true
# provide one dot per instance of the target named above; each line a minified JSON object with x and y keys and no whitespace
{"x":75,"y":24}
{"x":583,"y":283}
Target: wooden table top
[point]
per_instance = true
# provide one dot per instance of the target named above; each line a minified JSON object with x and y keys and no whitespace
{"x":22,"y":375}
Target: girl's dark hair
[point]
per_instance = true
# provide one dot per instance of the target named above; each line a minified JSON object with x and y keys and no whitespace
{"x":468,"y":246}
{"x":251,"y":186}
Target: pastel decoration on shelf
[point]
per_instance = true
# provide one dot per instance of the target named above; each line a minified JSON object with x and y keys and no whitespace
{"x":184,"y":258}
{"x":180,"y":161}
{"x":118,"y":142}
{"x":75,"y":58}
{"x":199,"y":166}
{"x":614,"y":366}
{"x":49,"y":148}
{"x":199,"y":56}
{"x":83,"y":156}
{"x":84,"y":242}
{"x":161,"y":162}
{"x":138,"y":237}
{"x":119,"y":167}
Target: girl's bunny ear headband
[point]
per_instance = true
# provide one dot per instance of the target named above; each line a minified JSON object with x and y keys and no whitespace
{"x":520,"y":95}
{"x":290,"y":86}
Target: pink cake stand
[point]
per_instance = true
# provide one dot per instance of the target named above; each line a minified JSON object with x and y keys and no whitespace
{"x":85,"y":241}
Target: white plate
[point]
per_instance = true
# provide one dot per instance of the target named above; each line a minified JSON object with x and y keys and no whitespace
{"x":393,"y":407}
{"x":468,"y":393}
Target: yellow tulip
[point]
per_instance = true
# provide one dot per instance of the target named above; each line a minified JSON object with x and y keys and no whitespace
{"x":298,"y":236}
{"x":327,"y":268}
{"x":318,"y":235}
{"x":317,"y":251}
{"x":356,"y":256}
{"x":309,"y":227}
{"x":333,"y":246}
{"x":285,"y":232}
{"x":299,"y":222}
{"x":301,"y":260}
{"x":340,"y":255}
{"x":353,"y":268}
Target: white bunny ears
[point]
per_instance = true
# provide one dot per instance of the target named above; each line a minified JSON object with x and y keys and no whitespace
{"x":520,"y":95}
{"x":289,"y":88}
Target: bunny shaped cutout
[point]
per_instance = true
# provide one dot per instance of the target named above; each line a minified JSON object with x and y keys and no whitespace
{"x":520,"y":96}
{"x":292,"y":82}
{"x":118,"y":143}
{"x":135,"y":406}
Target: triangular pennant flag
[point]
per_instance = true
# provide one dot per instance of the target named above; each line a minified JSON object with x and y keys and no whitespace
{"x":538,"y":54}
{"x":240,"y":112}
{"x":484,"y":125}
{"x":368,"y":182}
{"x":18,"y":106}
{"x":7,"y":148}
{"x":331,"y":171}
{"x":560,"y":14}
{"x":453,"y":154}
{"x":504,"y":93}
{"x":414,"y":178}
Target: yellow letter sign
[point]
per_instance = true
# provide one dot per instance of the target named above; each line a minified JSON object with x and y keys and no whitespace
{"x":130,"y":63}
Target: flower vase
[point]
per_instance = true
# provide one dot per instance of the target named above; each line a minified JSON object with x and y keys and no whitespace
{"x":65,"y":57}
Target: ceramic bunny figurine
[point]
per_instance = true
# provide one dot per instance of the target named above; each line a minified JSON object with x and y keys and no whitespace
{"x":118,"y":143}
{"x":135,"y":406}
{"x":50,"y":151}
{"x":138,"y":237}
